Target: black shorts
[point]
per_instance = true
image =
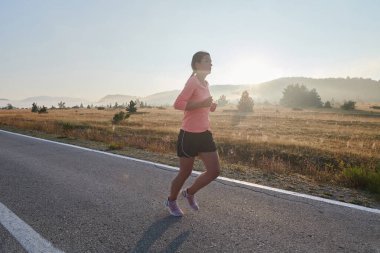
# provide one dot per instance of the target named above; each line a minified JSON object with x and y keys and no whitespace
{"x":190,"y":144}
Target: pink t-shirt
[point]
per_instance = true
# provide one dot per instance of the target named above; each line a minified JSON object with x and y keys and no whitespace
{"x":196,"y":120}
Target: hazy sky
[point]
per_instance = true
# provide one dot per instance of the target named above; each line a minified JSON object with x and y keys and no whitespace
{"x":89,"y":49}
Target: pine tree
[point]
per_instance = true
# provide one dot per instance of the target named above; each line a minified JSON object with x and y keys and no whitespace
{"x":34,"y":107}
{"x":132,"y":107}
{"x":246,"y":103}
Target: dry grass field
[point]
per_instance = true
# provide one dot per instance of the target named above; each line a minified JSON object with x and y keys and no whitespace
{"x":325,"y":145}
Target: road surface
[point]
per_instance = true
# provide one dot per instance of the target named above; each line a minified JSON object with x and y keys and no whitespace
{"x":79,"y":200}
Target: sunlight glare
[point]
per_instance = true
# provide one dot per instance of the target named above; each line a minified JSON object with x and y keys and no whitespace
{"x":253,"y":70}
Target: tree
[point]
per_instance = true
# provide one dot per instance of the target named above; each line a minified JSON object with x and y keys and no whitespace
{"x":299,"y":96}
{"x":348,"y":105}
{"x":314,"y":99}
{"x":43,"y":109}
{"x":222,"y":101}
{"x":327,"y":105}
{"x":132,"y":107}
{"x":61,"y":105}
{"x":34,"y":107}
{"x":246,"y":103}
{"x":9,"y":107}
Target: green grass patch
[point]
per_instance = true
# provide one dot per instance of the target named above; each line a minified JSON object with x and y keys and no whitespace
{"x":364,"y":179}
{"x":115,"y":146}
{"x":67,"y":126}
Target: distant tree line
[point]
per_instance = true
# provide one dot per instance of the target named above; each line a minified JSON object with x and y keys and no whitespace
{"x":8,"y":107}
{"x":296,"y":95}
{"x":39,"y":109}
{"x":299,"y":96}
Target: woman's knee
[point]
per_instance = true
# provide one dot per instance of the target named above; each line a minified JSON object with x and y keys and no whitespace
{"x":185,"y":172}
{"x":214,"y":173}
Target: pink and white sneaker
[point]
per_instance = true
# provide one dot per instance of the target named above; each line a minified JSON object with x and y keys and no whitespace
{"x":191,"y":200}
{"x":173,"y":208}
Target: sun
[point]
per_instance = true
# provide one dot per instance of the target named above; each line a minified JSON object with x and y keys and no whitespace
{"x":250,"y":70}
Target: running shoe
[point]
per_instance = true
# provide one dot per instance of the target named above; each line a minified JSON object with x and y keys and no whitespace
{"x":191,"y":200}
{"x":173,"y":208}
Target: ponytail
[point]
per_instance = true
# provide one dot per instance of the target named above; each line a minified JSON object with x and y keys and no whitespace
{"x":192,"y":74}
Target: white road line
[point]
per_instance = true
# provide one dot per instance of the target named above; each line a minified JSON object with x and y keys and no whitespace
{"x":24,"y":234}
{"x":301,"y":195}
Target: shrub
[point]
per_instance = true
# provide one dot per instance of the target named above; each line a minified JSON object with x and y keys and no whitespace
{"x":67,"y":126}
{"x":115,"y":146}
{"x":222,"y":101}
{"x":363,"y":179}
{"x":120,"y":116}
{"x":43,"y":109}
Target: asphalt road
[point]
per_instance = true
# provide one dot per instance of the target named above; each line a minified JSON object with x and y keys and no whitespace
{"x":84,"y":201}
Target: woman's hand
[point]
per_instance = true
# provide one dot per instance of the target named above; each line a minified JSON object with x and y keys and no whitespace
{"x":195,"y":105}
{"x":207,"y":102}
{"x":213,"y":107}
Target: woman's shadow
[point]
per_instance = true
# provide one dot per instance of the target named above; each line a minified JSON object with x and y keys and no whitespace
{"x":155,"y":231}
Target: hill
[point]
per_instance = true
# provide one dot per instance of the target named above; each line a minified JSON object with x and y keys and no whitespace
{"x":161,"y":98}
{"x":112,"y":99}
{"x":340,"y":89}
{"x":45,"y":100}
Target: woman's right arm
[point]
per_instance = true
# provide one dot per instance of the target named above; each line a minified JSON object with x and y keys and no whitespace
{"x":183,"y":100}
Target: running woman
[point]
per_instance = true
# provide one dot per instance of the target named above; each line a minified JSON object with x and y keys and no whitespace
{"x":195,"y":137}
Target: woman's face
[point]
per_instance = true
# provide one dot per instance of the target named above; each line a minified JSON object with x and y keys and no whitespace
{"x":204,"y":66}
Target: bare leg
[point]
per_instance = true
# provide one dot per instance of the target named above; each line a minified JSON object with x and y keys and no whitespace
{"x":211,"y":162}
{"x":185,"y":168}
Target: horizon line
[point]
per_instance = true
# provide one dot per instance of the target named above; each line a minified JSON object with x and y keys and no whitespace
{"x":142,"y":96}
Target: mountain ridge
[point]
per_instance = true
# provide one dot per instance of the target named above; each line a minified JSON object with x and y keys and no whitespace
{"x":338,"y":89}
